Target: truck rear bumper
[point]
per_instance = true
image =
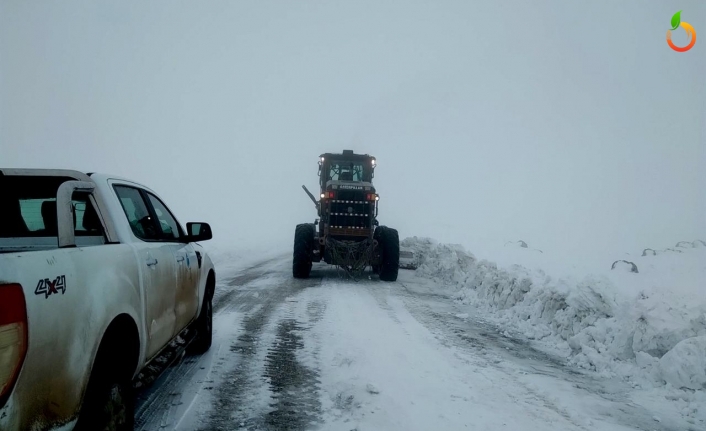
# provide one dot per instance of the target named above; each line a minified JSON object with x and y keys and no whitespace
{"x":10,"y":420}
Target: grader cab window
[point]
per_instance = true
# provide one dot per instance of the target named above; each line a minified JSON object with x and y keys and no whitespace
{"x":346,"y":171}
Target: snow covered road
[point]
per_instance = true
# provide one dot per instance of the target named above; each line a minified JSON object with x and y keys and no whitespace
{"x":333,"y":354}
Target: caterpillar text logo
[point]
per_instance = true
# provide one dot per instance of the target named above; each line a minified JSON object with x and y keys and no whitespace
{"x":676,"y":23}
{"x":49,"y":287}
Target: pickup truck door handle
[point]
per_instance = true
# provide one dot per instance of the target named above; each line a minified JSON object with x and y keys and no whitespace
{"x":180,"y":259}
{"x":151,"y":262}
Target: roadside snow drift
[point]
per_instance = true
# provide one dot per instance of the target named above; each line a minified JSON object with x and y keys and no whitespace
{"x":648,"y":326}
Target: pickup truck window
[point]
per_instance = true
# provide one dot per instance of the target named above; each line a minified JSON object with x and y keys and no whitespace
{"x":170,"y":227}
{"x":137,"y":213}
{"x":40,"y":216}
{"x":29,"y":209}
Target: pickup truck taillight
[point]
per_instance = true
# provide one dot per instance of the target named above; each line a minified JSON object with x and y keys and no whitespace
{"x":13,"y":336}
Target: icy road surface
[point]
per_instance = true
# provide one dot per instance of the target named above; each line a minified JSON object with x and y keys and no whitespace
{"x":333,"y":354}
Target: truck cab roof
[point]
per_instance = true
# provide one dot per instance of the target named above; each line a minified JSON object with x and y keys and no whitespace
{"x":67,"y":173}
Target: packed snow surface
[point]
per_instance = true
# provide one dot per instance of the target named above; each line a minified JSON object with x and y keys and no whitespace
{"x":648,"y":327}
{"x":333,"y":353}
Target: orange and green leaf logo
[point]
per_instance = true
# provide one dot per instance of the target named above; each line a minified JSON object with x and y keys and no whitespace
{"x":676,"y":23}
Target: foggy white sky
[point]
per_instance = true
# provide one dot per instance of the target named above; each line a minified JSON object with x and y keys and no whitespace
{"x":559,"y":123}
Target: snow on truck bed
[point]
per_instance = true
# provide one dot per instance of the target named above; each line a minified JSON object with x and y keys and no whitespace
{"x":647,"y":327}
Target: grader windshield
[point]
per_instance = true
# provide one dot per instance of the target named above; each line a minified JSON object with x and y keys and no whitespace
{"x":346,"y":167}
{"x":345,"y":171}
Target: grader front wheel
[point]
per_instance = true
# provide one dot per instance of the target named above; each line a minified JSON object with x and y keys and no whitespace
{"x":303,"y":250}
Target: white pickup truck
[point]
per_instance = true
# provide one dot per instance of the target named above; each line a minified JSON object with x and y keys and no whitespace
{"x":97,"y":278}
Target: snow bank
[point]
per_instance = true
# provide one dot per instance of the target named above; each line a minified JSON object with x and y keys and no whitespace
{"x":648,"y":326}
{"x":683,"y":366}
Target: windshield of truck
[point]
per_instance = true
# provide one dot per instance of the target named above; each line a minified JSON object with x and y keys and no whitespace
{"x":345,"y":171}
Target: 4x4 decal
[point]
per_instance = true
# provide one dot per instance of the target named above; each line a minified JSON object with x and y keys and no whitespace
{"x":49,"y":287}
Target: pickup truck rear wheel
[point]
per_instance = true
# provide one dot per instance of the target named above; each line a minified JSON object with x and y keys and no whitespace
{"x":109,"y":403}
{"x":204,"y":329}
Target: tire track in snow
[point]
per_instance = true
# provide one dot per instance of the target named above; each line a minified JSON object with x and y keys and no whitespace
{"x":315,"y":310}
{"x":228,"y":291}
{"x":291,"y":368}
{"x":155,"y":411}
{"x":239,"y":400}
{"x":166,"y":403}
{"x":486,"y":340}
{"x":157,"y":404}
{"x":294,"y":386}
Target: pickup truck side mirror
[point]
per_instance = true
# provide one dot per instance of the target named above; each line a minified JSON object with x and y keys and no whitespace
{"x":198,"y":232}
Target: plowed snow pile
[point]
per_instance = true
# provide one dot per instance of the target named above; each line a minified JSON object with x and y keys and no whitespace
{"x":648,"y":327}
